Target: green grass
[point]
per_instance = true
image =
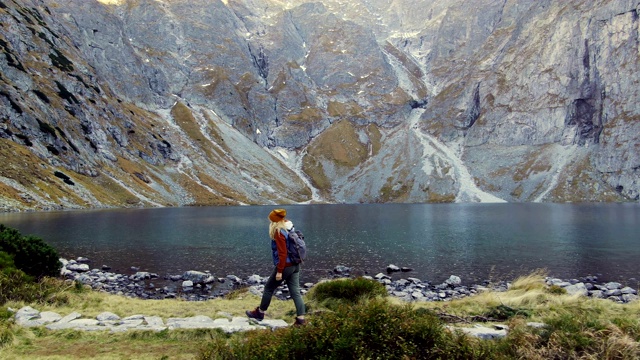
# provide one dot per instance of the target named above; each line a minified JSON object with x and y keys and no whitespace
{"x":349,"y":319}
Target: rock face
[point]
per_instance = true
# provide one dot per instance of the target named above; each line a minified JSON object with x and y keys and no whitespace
{"x":198,"y":102}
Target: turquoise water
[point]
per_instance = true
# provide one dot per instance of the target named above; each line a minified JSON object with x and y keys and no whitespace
{"x":473,"y":241}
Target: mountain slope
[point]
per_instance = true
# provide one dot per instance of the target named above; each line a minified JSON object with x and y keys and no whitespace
{"x":197,"y":102}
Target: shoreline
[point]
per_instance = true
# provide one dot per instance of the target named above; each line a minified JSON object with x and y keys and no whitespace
{"x":195,"y":285}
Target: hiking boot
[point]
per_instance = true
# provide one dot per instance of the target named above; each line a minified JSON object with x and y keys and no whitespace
{"x":255,"y":314}
{"x":300,"y":322}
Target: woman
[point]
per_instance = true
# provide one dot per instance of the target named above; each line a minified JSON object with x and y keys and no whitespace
{"x":284,"y":270}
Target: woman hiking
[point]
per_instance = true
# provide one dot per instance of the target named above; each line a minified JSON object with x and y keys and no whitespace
{"x":284,"y":269}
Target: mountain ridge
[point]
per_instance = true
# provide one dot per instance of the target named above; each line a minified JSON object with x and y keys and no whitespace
{"x":151,"y":103}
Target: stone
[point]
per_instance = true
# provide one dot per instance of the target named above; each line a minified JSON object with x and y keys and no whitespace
{"x":341,"y":270}
{"x":453,"y":280}
{"x":613,"y":285}
{"x":140,"y":275}
{"x":537,"y":325}
{"x":577,"y":289}
{"x":107,"y":316}
{"x":613,"y":292}
{"x":379,"y":276}
{"x":194,"y":322}
{"x":198,"y":277}
{"x":392,"y":268}
{"x":78,"y":267}
{"x":26,"y":313}
{"x":73,"y":316}
{"x":628,"y":291}
{"x":483,"y":332}
{"x":154,"y":321}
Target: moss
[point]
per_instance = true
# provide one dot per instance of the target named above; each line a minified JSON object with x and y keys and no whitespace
{"x":186,"y":121}
{"x":347,"y":110}
{"x":517,"y":192}
{"x":577,"y":183}
{"x":340,"y":144}
{"x":307,"y":114}
{"x":227,"y":191}
{"x":434,"y":197}
{"x":8,"y":192}
{"x":201,"y":195}
{"x":535,"y":162}
{"x":214,"y":134}
{"x":314,"y":170}
{"x":134,"y":168}
{"x":396,"y":189}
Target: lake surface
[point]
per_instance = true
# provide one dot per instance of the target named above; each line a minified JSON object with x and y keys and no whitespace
{"x":473,"y":241}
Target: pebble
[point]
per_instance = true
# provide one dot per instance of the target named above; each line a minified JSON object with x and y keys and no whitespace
{"x":198,"y":286}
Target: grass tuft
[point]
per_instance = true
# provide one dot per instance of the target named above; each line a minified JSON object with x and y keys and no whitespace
{"x":350,"y":291}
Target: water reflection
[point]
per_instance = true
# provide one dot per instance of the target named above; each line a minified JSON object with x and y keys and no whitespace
{"x":474,"y":241}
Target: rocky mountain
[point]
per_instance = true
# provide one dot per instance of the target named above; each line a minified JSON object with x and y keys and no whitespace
{"x":118,"y":103}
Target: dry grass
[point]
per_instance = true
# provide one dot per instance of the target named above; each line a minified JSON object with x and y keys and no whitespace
{"x":577,"y":327}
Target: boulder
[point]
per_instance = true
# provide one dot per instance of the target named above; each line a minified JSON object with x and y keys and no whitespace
{"x":341,"y":270}
{"x":198,"y":277}
{"x":392,"y":268}
{"x":78,"y":267}
{"x":577,"y":289}
{"x":453,"y":280}
{"x":613,"y":285}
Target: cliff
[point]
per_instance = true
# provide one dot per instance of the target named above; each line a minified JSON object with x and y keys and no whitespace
{"x":118,"y":103}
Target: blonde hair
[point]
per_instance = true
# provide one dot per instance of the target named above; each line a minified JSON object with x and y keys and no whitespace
{"x":275,"y":226}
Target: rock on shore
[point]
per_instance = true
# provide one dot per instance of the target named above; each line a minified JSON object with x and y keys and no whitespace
{"x":198,"y":286}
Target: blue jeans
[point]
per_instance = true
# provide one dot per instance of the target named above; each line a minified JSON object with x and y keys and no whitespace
{"x":290,"y":275}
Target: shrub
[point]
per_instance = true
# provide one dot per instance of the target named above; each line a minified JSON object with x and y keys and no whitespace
{"x":347,"y":290}
{"x":371,"y":329}
{"x":503,"y":312}
{"x":30,"y":254}
{"x":18,"y":286}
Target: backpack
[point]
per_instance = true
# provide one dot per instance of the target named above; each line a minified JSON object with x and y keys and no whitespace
{"x":296,"y":247}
